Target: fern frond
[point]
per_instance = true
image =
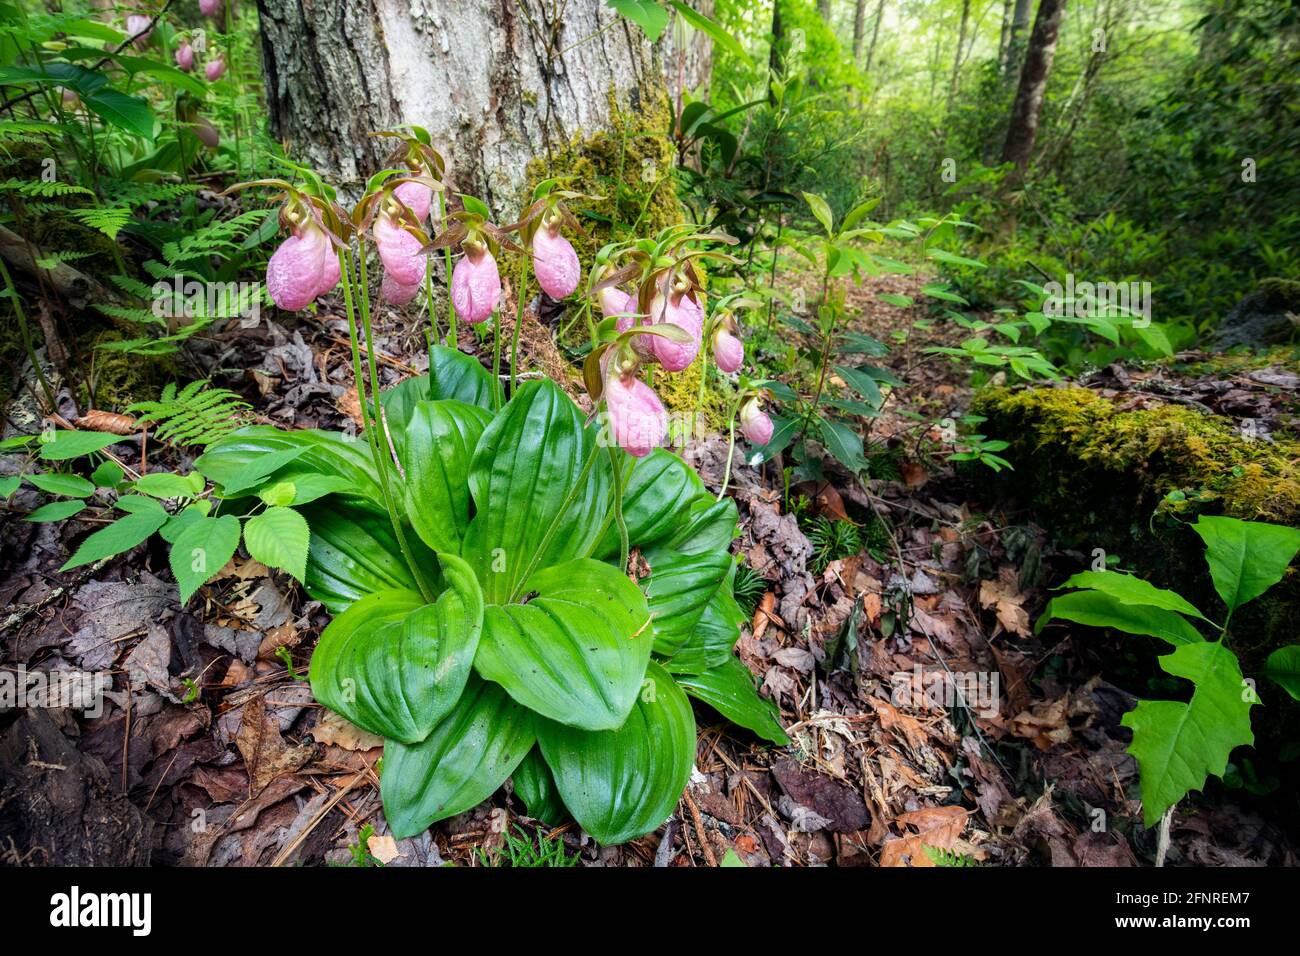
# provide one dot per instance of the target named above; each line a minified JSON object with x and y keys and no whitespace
{"x":107,"y":219}
{"x":38,"y":187}
{"x":52,"y":260}
{"x":197,"y":415}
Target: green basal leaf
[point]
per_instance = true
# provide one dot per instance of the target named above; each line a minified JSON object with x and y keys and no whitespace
{"x":1283,"y":668}
{"x":1131,"y":590}
{"x":464,"y":759}
{"x":652,"y":501}
{"x":278,"y":537}
{"x":535,"y":786}
{"x":681,"y":586}
{"x":729,"y":689}
{"x":1246,"y":558}
{"x":353,"y":552}
{"x":704,"y":526}
{"x":577,"y":651}
{"x":249,"y":457}
{"x":453,"y":374}
{"x":712,"y":639}
{"x":535,"y":508}
{"x":1098,"y":609}
{"x":201,"y":550}
{"x":1176,"y":745}
{"x":440,"y":440}
{"x":396,"y":666}
{"x":621,"y":784}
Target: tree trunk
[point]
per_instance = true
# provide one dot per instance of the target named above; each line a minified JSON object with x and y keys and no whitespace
{"x":1016,"y":37}
{"x":875,"y":34}
{"x":776,"y":51}
{"x":1005,"y":35}
{"x":1028,"y":105}
{"x":859,"y":30}
{"x":957,"y":57}
{"x":824,"y":11}
{"x":496,"y":82}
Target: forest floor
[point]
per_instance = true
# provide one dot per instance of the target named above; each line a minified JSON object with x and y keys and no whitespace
{"x":211,"y":751}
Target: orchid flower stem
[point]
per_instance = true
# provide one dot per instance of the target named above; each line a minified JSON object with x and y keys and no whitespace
{"x":446,"y":258}
{"x":496,"y":360}
{"x":731,"y":452}
{"x":704,"y":377}
{"x":520,"y":294}
{"x":428,"y":301}
{"x":376,"y":436}
{"x":616,"y":467}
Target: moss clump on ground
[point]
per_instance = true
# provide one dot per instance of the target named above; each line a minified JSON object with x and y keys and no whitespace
{"x":1131,"y":482}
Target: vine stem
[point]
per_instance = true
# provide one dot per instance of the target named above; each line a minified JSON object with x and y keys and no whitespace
{"x":376,"y":436}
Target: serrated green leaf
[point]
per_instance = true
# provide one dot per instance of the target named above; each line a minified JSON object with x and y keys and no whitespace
{"x":55,"y":511}
{"x":201,"y":550}
{"x":1283,"y":667}
{"x":278,"y":537}
{"x":122,"y":535}
{"x":69,"y":486}
{"x":163,"y":484}
{"x":63,"y":445}
{"x":279,"y":495}
{"x":8,"y":485}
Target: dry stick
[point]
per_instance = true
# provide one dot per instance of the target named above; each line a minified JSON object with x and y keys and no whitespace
{"x":709,"y":858}
{"x":291,"y":847}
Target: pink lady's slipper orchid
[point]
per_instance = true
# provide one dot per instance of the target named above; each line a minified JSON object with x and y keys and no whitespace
{"x":754,"y":423}
{"x":395,"y":293}
{"x":215,"y":69}
{"x":416,"y":197}
{"x":555,"y":263}
{"x":297,"y":272}
{"x":400,"y":251}
{"x":185,"y":57}
{"x":206,"y":132}
{"x":637,"y":419}
{"x":209,"y":8}
{"x":138,"y":29}
{"x":614,"y":301}
{"x":475,"y":283}
{"x":677,"y":307}
{"x":728,"y":351}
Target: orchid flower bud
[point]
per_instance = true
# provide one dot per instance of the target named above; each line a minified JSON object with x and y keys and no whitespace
{"x":395,"y":293}
{"x":399,"y":250}
{"x":137,"y":27}
{"x":728,"y":351}
{"x":475,"y":284}
{"x":416,"y":197}
{"x":555,"y":263}
{"x":297,"y":269}
{"x":215,"y":69}
{"x":209,"y":8}
{"x":185,"y":57}
{"x":637,"y":419}
{"x":754,"y":423}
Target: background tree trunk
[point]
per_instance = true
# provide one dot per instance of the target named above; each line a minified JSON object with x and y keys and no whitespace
{"x":859,"y":30}
{"x":495,"y":82}
{"x":1028,"y":106}
{"x":875,"y":35}
{"x":1016,"y":37}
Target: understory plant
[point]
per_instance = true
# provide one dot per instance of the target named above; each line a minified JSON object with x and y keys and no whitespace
{"x":519,"y":590}
{"x":1176,"y":743}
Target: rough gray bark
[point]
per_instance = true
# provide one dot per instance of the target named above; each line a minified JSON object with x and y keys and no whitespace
{"x":495,"y":82}
{"x":1028,"y":106}
{"x":1016,"y":37}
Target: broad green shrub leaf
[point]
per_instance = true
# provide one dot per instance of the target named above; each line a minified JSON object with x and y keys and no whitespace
{"x":535,"y":786}
{"x":652,"y":501}
{"x":278,"y":537}
{"x":820,"y":209}
{"x":353,"y":552}
{"x":128,"y":112}
{"x":1246,"y":558}
{"x":577,"y":651}
{"x":681,"y":586}
{"x":201,"y":550}
{"x":122,"y":535}
{"x":439,"y":446}
{"x":250,"y":456}
{"x":648,"y":15}
{"x":1176,"y":745}
{"x":1131,"y":590}
{"x":729,"y":689}
{"x":533,"y":511}
{"x":1283,"y":667}
{"x":396,"y":666}
{"x":164,"y":484}
{"x":844,"y":444}
{"x":70,"y":486}
{"x":463,"y":760}
{"x":63,"y":445}
{"x":1098,"y":609}
{"x":9,"y":484}
{"x":177,"y":523}
{"x":55,"y":511}
{"x":621,"y":784}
